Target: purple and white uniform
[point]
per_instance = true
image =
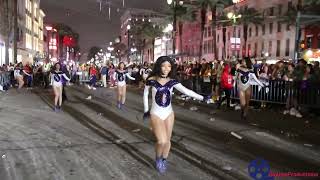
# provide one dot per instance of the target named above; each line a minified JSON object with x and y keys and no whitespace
{"x":162,"y":96}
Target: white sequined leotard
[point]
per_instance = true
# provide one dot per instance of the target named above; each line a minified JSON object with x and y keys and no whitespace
{"x":56,"y":78}
{"x":162,"y":96}
{"x":246,"y":79}
{"x":120,"y":77}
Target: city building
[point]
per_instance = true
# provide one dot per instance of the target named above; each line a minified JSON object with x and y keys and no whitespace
{"x":30,"y":31}
{"x":2,"y":48}
{"x":147,"y":52}
{"x":272,"y":39}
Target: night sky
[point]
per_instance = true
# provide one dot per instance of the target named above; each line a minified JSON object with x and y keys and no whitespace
{"x":85,"y":18}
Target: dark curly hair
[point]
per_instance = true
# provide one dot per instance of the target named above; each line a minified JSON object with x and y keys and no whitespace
{"x":248,"y":62}
{"x":55,"y":68}
{"x":124,"y":66}
{"x":156,"y":71}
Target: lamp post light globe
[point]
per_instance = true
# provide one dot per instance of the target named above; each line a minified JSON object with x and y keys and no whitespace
{"x":169,"y":2}
{"x":128,"y":27}
{"x":230,"y":15}
{"x":170,"y":27}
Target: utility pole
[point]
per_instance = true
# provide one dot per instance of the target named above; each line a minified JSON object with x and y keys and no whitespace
{"x":15,"y":30}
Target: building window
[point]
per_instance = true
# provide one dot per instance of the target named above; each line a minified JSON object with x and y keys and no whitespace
{"x":270,"y":28}
{"x":309,"y":42}
{"x":263,"y":29}
{"x":278,"y":48}
{"x":318,"y":41}
{"x":28,"y":41}
{"x":257,"y":30}
{"x":271,"y":11}
{"x":239,"y":33}
{"x":270,"y":48}
{"x":290,"y":5}
{"x":249,"y":49}
{"x":287,"y":47}
{"x":262,"y":48}
{"x":209,"y":31}
{"x":218,"y":38}
{"x":288,"y":27}
{"x":279,"y":27}
{"x":280,"y":9}
{"x":250,"y":32}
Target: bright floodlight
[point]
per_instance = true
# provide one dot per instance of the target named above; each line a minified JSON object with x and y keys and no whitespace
{"x":230,"y":15}
{"x":128,"y":27}
{"x":169,"y":1}
{"x":180,"y":3}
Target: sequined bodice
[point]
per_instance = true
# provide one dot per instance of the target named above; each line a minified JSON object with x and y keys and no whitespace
{"x":163,"y":93}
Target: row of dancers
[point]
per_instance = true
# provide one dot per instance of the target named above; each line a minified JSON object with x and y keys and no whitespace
{"x":161,"y":81}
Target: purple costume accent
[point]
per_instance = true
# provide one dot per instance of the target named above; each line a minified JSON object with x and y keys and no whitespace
{"x":163,"y":95}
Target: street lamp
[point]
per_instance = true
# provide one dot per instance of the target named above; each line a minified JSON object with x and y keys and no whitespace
{"x":174,"y":3}
{"x":232,"y":16}
{"x":128,"y":55}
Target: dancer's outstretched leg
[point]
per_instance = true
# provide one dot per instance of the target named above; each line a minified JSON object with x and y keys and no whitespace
{"x":169,"y":122}
{"x":159,"y":130}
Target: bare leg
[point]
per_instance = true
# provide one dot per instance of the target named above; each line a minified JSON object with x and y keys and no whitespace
{"x":169,"y":122}
{"x":60,"y":95}
{"x":20,"y":81}
{"x":56,"y":95}
{"x":124,"y":92}
{"x":119,"y":94}
{"x":159,"y":130}
{"x":248,"y":97}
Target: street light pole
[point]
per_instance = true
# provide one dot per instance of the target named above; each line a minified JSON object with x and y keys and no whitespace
{"x":128,"y":55}
{"x":174,"y":3}
{"x":174,"y":29}
{"x":234,"y":18}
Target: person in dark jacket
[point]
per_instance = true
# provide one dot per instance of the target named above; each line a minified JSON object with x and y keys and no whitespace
{"x":226,"y":84}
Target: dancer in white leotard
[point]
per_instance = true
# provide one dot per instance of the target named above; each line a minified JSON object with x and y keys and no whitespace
{"x":56,"y":82}
{"x":18,"y":75}
{"x":162,"y":82}
{"x":246,"y":78}
{"x":120,"y":76}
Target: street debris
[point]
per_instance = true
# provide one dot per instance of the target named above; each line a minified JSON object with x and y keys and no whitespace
{"x":212,"y":112}
{"x":89,"y":98}
{"x":227,"y":168}
{"x":237,"y":107}
{"x":212,"y":119}
{"x":3,"y":156}
{"x":253,"y":124}
{"x":118,"y":141}
{"x":308,"y":145}
{"x":236,"y":135}
{"x":100,"y":114}
{"x":307,"y":122}
{"x":193,"y":108}
{"x":136,"y":130}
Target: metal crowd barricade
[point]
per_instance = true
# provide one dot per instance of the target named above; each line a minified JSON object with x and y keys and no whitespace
{"x":5,"y":79}
{"x":279,"y":91}
{"x":83,"y":76}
